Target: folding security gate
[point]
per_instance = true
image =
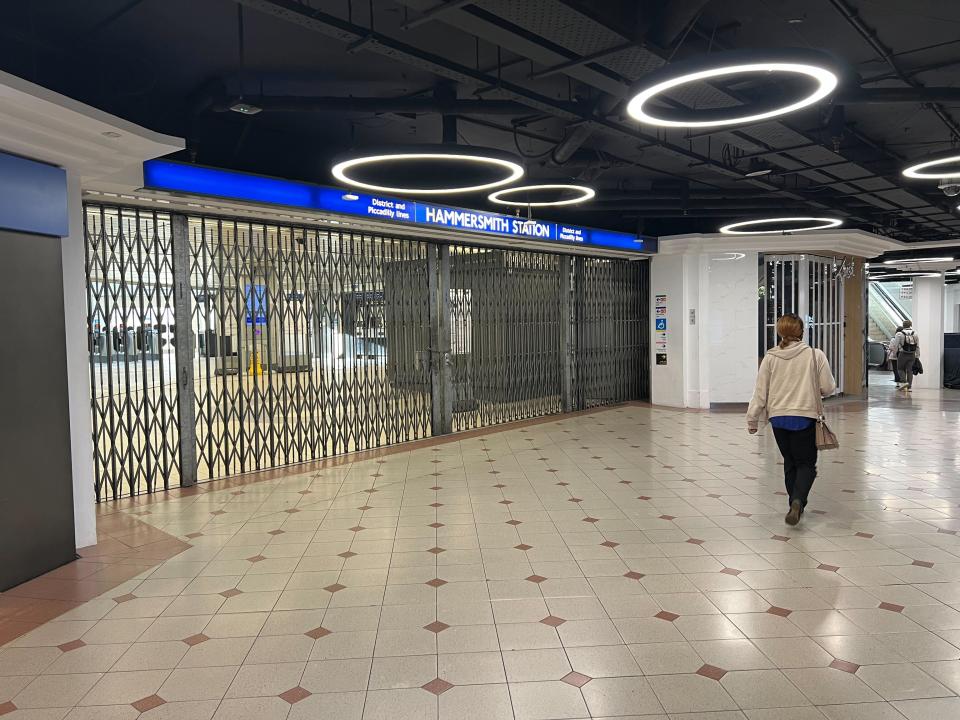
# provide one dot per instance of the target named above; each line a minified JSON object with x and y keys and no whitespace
{"x":221,"y":346}
{"x":808,"y":286}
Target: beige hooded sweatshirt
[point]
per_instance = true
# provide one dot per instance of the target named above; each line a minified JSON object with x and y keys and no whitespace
{"x":785,"y":384}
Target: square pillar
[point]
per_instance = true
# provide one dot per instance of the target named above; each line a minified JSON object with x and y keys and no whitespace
{"x":928,"y":321}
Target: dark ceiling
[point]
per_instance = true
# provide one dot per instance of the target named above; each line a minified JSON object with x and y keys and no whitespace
{"x":334,"y":75}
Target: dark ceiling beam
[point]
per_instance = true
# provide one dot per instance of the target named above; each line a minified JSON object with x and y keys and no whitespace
{"x":409,"y":105}
{"x":852,"y":16}
{"x":675,"y":17}
{"x":861,"y":96}
{"x":435,"y":13}
{"x":942,"y":65}
{"x":583,"y":60}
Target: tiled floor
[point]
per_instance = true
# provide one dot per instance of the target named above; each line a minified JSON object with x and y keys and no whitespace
{"x":628,"y":563}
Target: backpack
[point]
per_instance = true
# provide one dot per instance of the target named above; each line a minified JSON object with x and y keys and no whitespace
{"x":909,"y":344}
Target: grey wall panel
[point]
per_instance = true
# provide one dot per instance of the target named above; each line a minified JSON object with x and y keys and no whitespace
{"x":36,"y":491}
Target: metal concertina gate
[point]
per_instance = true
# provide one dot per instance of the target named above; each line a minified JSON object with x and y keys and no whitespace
{"x":223,"y":345}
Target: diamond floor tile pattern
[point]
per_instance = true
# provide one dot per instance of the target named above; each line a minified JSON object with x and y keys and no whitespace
{"x":609,"y":570}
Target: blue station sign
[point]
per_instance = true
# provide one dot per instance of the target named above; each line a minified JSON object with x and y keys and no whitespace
{"x":229,"y":184}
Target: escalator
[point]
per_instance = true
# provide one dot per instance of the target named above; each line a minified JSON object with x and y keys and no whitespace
{"x":886,"y":313}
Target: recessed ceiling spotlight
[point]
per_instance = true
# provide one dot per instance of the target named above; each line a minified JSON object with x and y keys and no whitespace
{"x":729,"y":64}
{"x":823,"y":224}
{"x":245,"y":108}
{"x":454,"y":156}
{"x":586,"y":193}
{"x":921,"y":170}
{"x":910,"y":261}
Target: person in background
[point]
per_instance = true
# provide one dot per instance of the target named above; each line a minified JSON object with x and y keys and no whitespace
{"x":790,"y":376}
{"x":907,"y":344}
{"x":892,"y":355}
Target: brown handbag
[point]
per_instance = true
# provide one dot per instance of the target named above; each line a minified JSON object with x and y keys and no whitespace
{"x":826,"y":439}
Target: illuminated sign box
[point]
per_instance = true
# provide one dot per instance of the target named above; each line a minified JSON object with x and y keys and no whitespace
{"x":232,"y":185}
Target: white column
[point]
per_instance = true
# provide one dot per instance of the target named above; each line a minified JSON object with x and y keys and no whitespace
{"x":667,"y":382}
{"x":928,"y":322}
{"x":78,"y":369}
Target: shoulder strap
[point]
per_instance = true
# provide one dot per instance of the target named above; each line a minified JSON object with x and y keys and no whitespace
{"x":815,"y":376}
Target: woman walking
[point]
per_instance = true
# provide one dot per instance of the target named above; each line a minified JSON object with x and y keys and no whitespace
{"x":907,"y":345}
{"x":792,"y":381}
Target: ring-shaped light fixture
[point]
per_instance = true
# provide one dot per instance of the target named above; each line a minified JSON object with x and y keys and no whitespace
{"x":811,"y":64}
{"x":824,"y":224}
{"x":510,"y":167}
{"x":586,"y":193}
{"x":917,"y":171}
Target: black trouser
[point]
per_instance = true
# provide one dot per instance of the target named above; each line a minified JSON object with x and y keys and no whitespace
{"x":799,"y":450}
{"x":905,"y":361}
{"x":896,"y":370}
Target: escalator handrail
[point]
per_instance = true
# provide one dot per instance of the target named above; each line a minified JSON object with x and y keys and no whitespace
{"x":889,"y":299}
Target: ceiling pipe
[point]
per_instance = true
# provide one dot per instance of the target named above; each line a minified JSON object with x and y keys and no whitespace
{"x":412,"y":106}
{"x":861,"y":96}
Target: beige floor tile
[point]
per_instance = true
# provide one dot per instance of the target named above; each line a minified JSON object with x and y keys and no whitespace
{"x":415,"y":704}
{"x":258,"y":708}
{"x":265,"y":680}
{"x":477,"y":702}
{"x":936,"y":709}
{"x":482,"y":668}
{"x":345,"y":645}
{"x":237,"y":625}
{"x":762,"y":689}
{"x":603,"y":661}
{"x":217,"y":652}
{"x":189,"y":684}
{"x":902,"y":682}
{"x":826,"y":686}
{"x":395,"y":673}
{"x":615,"y":696}
{"x":88,"y":659}
{"x":547,"y":701}
{"x":51,"y":690}
{"x":280,"y":648}
{"x":146,"y":655}
{"x":336,"y":676}
{"x":329,"y":706}
{"x":732,"y":655}
{"x":690,"y":694}
{"x":26,"y":660}
{"x":125,"y":687}
{"x":535,"y":665}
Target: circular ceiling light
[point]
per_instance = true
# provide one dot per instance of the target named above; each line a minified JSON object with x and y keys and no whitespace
{"x":585,"y":193}
{"x":918,"y":170}
{"x":822,"y":224}
{"x":804,"y":64}
{"x":428,"y":161}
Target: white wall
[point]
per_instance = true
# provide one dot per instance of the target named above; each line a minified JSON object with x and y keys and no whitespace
{"x":733,"y":319}
{"x":78,"y":369}
{"x":928,"y":320}
{"x":951,"y":308}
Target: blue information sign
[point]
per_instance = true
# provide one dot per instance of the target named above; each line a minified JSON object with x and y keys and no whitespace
{"x":195,"y":179}
{"x":256,"y":304}
{"x":661,"y":323}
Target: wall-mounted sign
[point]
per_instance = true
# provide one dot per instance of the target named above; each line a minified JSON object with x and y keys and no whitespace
{"x":693,"y":316}
{"x":33,"y":196}
{"x":661,"y":312}
{"x":661,"y":301}
{"x":906,"y":291}
{"x":228,"y":184}
{"x":661,"y":358}
{"x":256,"y":304}
{"x":661,"y":323}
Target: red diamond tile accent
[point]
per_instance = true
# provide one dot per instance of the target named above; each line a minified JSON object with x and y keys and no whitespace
{"x":436,"y":550}
{"x":365,"y":507}
{"x":780,"y":493}
{"x":357,"y":528}
{"x":845,"y":666}
{"x":610,"y":544}
{"x":291,"y":511}
{"x":574,"y":499}
{"x":643,"y":497}
{"x":256,"y":558}
{"x":922,"y":563}
{"x":553,"y":621}
{"x":667,"y":517}
{"x":437,"y":686}
{"x":514,"y":522}
{"x":371,"y":490}
{"x":347,"y":554}
{"x":666,"y":615}
{"x":195,"y":639}
{"x":124,"y":598}
{"x":436,"y":525}
{"x":782,"y":612}
{"x":506,"y":502}
{"x":713,"y":495}
{"x":276,"y":532}
{"x":591,"y":519}
{"x":864,"y":535}
{"x":576,"y":679}
{"x":536,"y":579}
{"x":494,"y":472}
{"x":305,"y":492}
{"x":712,"y":672}
{"x":219,"y":512}
{"x":194,"y":535}
{"x":436,"y":487}
{"x":148,"y":703}
{"x":7,"y":707}
{"x":436,"y":582}
{"x":828,"y":568}
{"x":731,"y":571}
{"x":318,"y":632}
{"x":847,"y":491}
{"x":499,"y":486}
{"x":696,"y":541}
{"x":295,"y":695}
{"x":335,"y":588}
{"x":232,"y":592}
{"x":436,"y":505}
{"x":436,"y":627}
{"x":523,"y":547}
{"x":892,"y":607}
{"x":72,"y":645}
{"x":610,"y":469}
{"x":626,"y":482}
{"x":561,"y":484}
{"x":781,"y":538}
{"x":633,"y":575}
